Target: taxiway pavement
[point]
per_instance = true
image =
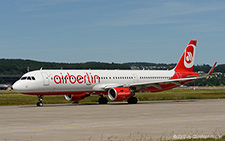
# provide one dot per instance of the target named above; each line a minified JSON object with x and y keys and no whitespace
{"x":116,"y":121}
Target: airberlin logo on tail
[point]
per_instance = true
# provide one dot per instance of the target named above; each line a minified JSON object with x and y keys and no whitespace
{"x":189,"y":56}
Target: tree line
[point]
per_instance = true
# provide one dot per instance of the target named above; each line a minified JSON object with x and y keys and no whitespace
{"x":19,"y":67}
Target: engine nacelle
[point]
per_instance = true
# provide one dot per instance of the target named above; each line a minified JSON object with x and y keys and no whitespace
{"x":119,"y":93}
{"x":75,"y":97}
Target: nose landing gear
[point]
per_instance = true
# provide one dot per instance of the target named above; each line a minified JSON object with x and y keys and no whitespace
{"x":40,"y":97}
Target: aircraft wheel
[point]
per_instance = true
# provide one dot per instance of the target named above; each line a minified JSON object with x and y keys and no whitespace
{"x":132,"y":100}
{"x":103,"y":100}
{"x":39,"y":104}
{"x":40,"y":97}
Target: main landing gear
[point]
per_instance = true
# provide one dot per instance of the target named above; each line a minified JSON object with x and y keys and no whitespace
{"x":132,"y":100}
{"x":102,"y":100}
{"x":40,"y":97}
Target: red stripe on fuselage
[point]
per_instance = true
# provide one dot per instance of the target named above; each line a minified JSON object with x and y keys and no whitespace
{"x":65,"y":93}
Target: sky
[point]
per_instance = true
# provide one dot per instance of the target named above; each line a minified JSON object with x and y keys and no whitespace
{"x":119,"y":31}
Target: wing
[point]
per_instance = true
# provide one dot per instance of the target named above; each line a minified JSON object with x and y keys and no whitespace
{"x":156,"y":84}
{"x":142,"y":86}
{"x":178,"y":82}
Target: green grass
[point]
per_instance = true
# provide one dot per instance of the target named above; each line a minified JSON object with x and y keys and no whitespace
{"x":12,"y":98}
{"x":142,"y":137}
{"x":207,"y":139}
{"x":180,"y":94}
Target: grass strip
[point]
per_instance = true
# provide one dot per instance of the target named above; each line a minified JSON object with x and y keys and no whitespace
{"x":13,"y":98}
{"x":202,"y":139}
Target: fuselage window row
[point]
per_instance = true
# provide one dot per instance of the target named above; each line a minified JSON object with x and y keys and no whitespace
{"x":147,"y":77}
{"x":57,"y":78}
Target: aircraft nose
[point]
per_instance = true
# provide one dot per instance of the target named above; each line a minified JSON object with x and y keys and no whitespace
{"x":16,"y":86}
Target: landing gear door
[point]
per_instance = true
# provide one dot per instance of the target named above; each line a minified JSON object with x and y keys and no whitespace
{"x":45,"y":79}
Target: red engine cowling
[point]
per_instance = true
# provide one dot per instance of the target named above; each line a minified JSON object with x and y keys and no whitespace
{"x":119,"y":93}
{"x":75,"y":97}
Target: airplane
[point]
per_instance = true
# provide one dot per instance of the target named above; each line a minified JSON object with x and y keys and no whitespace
{"x":119,"y":85}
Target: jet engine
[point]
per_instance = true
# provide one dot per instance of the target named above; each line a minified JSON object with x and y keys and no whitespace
{"x":75,"y":97}
{"x":119,"y":93}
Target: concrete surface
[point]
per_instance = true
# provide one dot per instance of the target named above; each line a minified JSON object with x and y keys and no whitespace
{"x":116,"y":121}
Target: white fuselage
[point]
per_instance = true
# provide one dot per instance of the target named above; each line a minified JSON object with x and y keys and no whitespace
{"x":70,"y":81}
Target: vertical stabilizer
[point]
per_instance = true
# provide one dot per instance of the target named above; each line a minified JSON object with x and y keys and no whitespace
{"x":186,"y":62}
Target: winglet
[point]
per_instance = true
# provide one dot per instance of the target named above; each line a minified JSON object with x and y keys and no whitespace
{"x":212,"y":69}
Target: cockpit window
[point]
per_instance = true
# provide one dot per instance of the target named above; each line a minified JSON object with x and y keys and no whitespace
{"x":23,"y":78}
{"x":28,"y":78}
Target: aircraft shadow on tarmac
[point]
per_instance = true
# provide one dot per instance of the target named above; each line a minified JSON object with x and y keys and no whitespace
{"x":110,"y":103}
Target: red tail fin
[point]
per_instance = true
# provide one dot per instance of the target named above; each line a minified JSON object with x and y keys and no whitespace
{"x":186,"y":62}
